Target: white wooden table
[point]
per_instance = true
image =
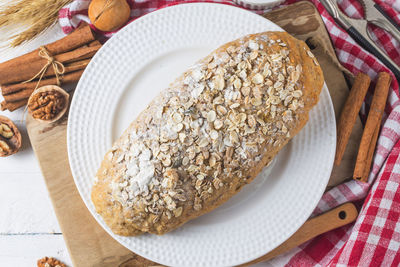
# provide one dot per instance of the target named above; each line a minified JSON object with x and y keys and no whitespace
{"x":28,"y":227}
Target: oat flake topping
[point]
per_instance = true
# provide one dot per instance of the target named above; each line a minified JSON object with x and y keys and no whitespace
{"x":229,"y":103}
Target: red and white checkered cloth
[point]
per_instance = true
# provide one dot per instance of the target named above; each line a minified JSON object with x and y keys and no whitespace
{"x":374,"y":239}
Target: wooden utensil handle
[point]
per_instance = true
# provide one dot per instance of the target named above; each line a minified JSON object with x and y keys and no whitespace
{"x":330,"y":220}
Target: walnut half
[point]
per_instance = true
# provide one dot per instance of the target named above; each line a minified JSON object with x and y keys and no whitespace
{"x":50,"y":262}
{"x":10,"y":137}
{"x":48,"y":103}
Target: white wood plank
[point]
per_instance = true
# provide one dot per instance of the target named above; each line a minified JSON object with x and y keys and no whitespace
{"x":25,"y":205}
{"x":22,"y":162}
{"x":25,"y":250}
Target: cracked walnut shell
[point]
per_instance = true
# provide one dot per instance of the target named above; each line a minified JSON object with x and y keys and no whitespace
{"x":50,"y":262}
{"x":48,"y":103}
{"x":10,"y":137}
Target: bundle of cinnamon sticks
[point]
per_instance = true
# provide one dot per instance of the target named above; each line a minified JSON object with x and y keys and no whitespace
{"x":371,"y":130}
{"x":73,"y":51}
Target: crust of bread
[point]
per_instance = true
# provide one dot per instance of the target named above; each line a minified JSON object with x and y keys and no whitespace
{"x":131,"y":221}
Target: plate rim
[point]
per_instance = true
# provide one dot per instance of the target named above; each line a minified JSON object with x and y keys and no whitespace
{"x":155,"y":13}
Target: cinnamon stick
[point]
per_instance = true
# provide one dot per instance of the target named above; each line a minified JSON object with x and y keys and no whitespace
{"x":20,"y":95}
{"x":13,"y":88}
{"x":370,"y":155}
{"x":373,"y":121}
{"x":81,"y":36}
{"x":94,"y":43}
{"x":29,"y":70}
{"x":26,"y":89}
{"x":13,"y":105}
{"x":71,"y":67}
{"x":78,"y":54}
{"x":349,"y":113}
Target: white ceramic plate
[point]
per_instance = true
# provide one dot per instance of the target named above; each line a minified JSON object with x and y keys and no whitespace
{"x":130,"y":69}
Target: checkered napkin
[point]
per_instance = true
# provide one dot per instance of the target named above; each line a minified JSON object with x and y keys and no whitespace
{"x":374,"y":239}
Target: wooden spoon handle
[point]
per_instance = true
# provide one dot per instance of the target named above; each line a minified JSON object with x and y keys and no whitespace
{"x":323,"y":223}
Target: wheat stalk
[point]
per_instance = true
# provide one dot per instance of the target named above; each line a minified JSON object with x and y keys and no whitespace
{"x":40,"y":14}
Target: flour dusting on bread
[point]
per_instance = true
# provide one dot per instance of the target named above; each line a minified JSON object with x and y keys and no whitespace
{"x":208,"y":134}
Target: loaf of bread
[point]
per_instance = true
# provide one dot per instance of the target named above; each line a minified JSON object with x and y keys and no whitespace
{"x":207,"y":135}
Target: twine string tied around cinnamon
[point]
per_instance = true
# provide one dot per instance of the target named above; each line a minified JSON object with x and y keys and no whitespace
{"x":58,"y":67}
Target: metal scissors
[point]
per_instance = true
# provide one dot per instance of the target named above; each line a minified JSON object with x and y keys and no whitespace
{"x":357,"y":28}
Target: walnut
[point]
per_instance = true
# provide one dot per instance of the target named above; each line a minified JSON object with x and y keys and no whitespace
{"x":6,"y":131}
{"x":50,"y":262}
{"x":10,"y":137}
{"x":48,"y":103}
{"x":4,"y":147}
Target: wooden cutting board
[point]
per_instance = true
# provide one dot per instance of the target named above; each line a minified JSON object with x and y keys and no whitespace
{"x":90,"y":245}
